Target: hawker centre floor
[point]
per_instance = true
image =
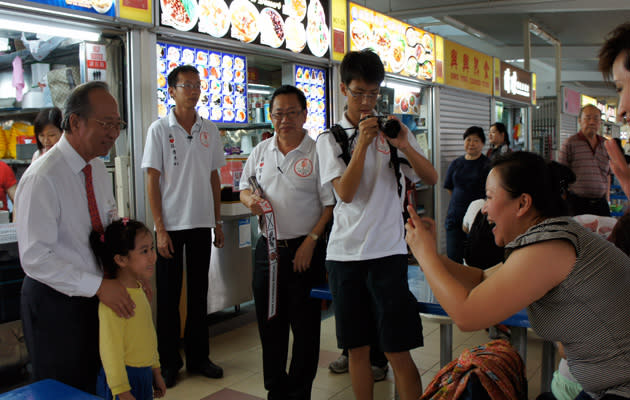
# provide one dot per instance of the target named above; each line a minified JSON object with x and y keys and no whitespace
{"x":235,"y":346}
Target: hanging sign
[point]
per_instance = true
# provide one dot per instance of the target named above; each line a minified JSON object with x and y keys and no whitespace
{"x":515,"y":83}
{"x":95,"y":62}
{"x":404,"y":49}
{"x":102,"y":7}
{"x":466,"y":68}
{"x":297,"y":25}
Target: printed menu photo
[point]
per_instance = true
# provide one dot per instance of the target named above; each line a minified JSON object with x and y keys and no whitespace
{"x":223,"y":81}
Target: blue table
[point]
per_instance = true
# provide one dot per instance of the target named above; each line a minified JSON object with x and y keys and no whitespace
{"x":428,"y":304}
{"x":48,"y":389}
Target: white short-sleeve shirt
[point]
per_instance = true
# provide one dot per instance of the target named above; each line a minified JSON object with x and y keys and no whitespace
{"x":291,"y":184}
{"x":371,"y":226}
{"x":185,"y":164}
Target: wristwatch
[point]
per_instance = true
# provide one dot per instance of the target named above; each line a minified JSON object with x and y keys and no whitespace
{"x":313,"y":236}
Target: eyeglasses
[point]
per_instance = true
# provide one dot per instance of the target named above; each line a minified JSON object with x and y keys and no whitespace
{"x":117,"y":125}
{"x":189,"y":86}
{"x":364,"y":96}
{"x":290,"y":114}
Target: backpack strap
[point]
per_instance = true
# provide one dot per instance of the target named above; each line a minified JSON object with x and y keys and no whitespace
{"x":394,"y":162}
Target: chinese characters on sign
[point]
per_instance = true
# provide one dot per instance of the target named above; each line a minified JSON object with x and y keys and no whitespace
{"x":467,"y":69}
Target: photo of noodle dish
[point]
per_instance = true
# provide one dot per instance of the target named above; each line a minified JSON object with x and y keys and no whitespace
{"x":180,"y":14}
{"x":295,"y":35}
{"x":271,"y":27}
{"x":101,"y":6}
{"x":295,"y":9}
{"x":214,"y":17}
{"x":317,"y":37}
{"x":360,"y":34}
{"x":398,"y":48}
{"x":382,"y":44}
{"x":244,"y":20}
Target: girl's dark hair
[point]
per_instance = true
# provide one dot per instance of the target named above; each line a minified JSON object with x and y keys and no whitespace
{"x":620,"y":234}
{"x":119,"y":238}
{"x":48,"y":116}
{"x":500,"y":126}
{"x":546,"y":182}
{"x":617,"y":42}
{"x":475,"y":130}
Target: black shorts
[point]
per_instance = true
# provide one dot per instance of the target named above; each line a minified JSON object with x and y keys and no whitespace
{"x":372,"y":302}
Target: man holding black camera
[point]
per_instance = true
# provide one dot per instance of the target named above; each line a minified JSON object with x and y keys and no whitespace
{"x":367,"y":255}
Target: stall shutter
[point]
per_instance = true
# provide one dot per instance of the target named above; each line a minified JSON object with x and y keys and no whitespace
{"x":568,"y":126}
{"x":456,"y":111}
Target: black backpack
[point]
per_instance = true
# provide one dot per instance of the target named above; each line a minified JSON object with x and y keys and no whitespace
{"x":480,"y":250}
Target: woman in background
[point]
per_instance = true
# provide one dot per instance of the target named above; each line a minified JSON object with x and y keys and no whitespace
{"x":464,"y":181}
{"x":499,"y":139}
{"x":47,"y":126}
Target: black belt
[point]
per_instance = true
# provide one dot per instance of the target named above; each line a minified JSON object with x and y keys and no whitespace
{"x":290,"y":243}
{"x":590,"y":200}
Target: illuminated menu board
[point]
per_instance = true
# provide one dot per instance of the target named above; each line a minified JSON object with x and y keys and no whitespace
{"x":312,"y":82}
{"x":297,"y":25}
{"x":404,"y":49}
{"x":102,"y":7}
{"x":223,"y":81}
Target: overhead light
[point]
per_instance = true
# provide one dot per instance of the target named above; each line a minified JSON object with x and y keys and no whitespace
{"x":50,"y":30}
{"x":258,"y":91}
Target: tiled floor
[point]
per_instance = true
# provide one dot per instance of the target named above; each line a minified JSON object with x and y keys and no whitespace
{"x":239,"y":352}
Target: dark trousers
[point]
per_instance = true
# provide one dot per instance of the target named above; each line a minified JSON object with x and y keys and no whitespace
{"x":61,"y":335}
{"x":585,"y":205}
{"x":296,"y":311}
{"x":455,"y":241}
{"x":169,"y":274}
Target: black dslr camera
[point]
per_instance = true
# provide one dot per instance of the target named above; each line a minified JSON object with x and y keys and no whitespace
{"x":390,"y":127}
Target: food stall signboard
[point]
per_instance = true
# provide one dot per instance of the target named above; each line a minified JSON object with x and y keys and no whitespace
{"x":95,"y":61}
{"x":514,"y":83}
{"x":466,"y":68}
{"x":570,"y":101}
{"x":297,"y":25}
{"x":102,"y":7}
{"x":404,"y":49}
{"x":339,"y":26}
{"x":137,"y":10}
{"x":312,"y":82}
{"x":223,"y":81}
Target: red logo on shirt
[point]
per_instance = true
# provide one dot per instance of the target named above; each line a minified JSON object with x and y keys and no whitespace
{"x":204,"y":137}
{"x":382,"y":145}
{"x":171,"y":140}
{"x":303,"y":167}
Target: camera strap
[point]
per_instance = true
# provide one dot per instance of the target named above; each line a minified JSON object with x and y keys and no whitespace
{"x":272,"y":250}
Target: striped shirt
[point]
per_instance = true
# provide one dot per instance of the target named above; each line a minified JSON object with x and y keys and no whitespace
{"x":589,"y":165}
{"x":588,"y":311}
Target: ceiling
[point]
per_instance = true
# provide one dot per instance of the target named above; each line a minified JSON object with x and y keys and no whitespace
{"x":496,"y":27}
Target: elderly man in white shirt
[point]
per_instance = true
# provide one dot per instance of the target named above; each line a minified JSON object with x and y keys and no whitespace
{"x":60,"y":199}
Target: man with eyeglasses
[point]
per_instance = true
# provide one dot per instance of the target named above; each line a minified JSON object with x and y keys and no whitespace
{"x":367,"y":255}
{"x":286,"y":169}
{"x":58,"y":200}
{"x":587,"y":157}
{"x":182,"y":156}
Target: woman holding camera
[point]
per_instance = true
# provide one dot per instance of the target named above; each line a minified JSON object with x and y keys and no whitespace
{"x":464,"y":181}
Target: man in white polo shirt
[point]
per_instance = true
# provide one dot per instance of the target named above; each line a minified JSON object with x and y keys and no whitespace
{"x":182,"y":155}
{"x":286,"y":169}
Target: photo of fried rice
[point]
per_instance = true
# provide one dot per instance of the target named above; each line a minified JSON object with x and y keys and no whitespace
{"x":295,"y":35}
{"x":214,"y":17}
{"x":295,"y":9}
{"x":271,"y":28}
{"x":244,"y":17}
{"x":180,"y":14}
{"x":101,"y":6}
{"x":382,"y":42}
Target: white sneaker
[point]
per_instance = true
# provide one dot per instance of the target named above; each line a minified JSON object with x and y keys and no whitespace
{"x":340,"y":365}
{"x":379,"y":373}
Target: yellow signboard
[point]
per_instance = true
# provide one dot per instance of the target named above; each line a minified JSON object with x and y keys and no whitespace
{"x":533,"y":88}
{"x":467,"y":68}
{"x":497,"y":77}
{"x":339,"y":24}
{"x":404,"y":49}
{"x":137,"y":10}
{"x":439,"y":59}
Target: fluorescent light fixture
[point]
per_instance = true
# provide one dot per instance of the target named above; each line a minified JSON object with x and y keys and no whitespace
{"x":50,"y":30}
{"x":258,"y":91}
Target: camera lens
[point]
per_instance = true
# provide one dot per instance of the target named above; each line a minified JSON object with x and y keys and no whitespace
{"x":391,"y":128}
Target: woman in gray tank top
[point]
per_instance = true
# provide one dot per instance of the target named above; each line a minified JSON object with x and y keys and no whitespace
{"x":573,"y":283}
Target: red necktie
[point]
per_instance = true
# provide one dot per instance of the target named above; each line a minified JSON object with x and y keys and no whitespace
{"x":92,"y":206}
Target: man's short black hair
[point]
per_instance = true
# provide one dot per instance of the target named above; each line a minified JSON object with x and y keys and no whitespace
{"x":173,"y":75}
{"x":288,"y":89}
{"x":362,"y":65}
